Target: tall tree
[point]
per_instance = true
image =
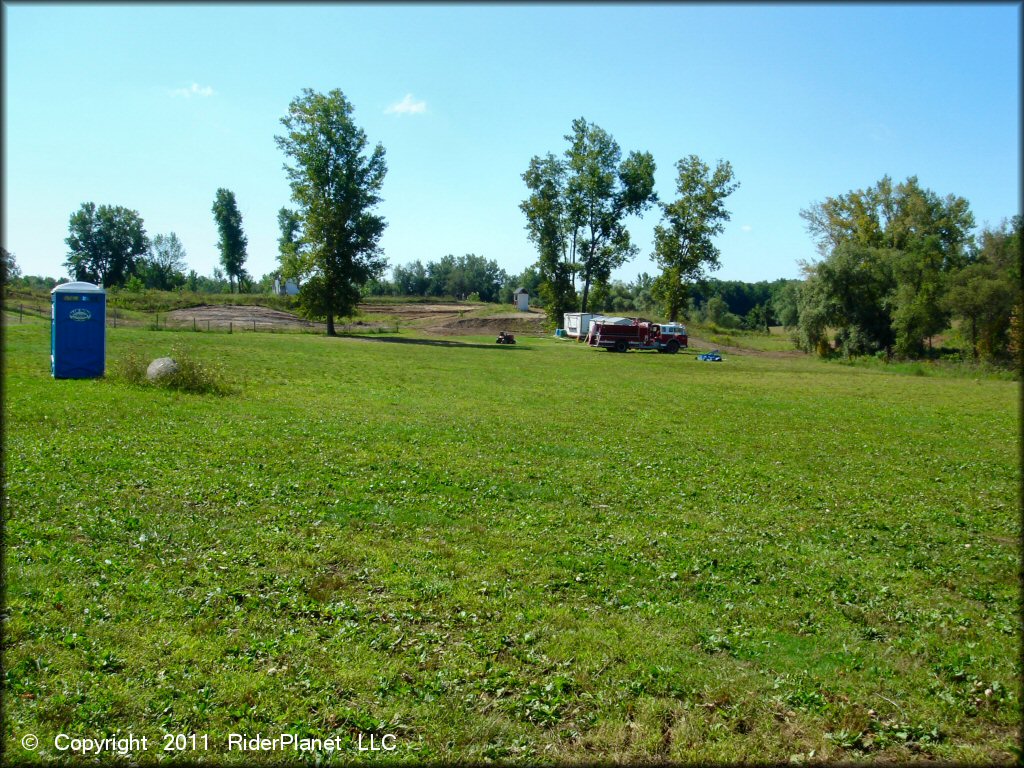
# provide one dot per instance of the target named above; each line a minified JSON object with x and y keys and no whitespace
{"x":164,"y":267}
{"x":232,"y":242}
{"x":576,"y":212}
{"x":105,"y":243}
{"x":548,"y":226}
{"x":336,"y":183}
{"x":9,"y":265}
{"x":684,"y":242}
{"x":601,"y":191}
{"x":289,"y":243}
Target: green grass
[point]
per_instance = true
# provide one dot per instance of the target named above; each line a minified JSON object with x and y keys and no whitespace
{"x":541,"y":553}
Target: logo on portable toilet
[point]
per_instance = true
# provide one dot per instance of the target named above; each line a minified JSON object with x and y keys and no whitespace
{"x":80,"y":315}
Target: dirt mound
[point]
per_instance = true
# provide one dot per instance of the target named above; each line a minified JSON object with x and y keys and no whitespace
{"x":482,"y":325}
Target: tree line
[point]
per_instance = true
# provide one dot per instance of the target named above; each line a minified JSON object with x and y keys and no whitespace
{"x":900,"y":266}
{"x":108,"y":245}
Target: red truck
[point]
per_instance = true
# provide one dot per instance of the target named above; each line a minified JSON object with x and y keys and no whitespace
{"x":668,"y":338}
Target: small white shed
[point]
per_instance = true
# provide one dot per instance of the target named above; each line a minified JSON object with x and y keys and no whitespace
{"x":521,"y":300}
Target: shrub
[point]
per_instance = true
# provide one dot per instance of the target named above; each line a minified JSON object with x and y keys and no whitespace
{"x":192,"y":375}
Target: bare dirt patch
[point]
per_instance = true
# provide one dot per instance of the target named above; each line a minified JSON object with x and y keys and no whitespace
{"x":240,"y":317}
{"x":456,"y":319}
{"x":512,"y":322}
{"x":438,"y":319}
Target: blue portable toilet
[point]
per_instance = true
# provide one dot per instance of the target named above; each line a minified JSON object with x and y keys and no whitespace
{"x":78,"y":331}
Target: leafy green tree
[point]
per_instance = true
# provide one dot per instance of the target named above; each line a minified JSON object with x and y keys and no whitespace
{"x":850,"y":291}
{"x":289,"y":243}
{"x":219,"y":283}
{"x":11,"y":270}
{"x":576,"y":213}
{"x":164,"y":267}
{"x":134,"y":284}
{"x":411,"y":280}
{"x":918,"y":310}
{"x":926,"y":238}
{"x":785,"y":302}
{"x":984,"y":295}
{"x":548,"y":226}
{"x":601,"y":190}
{"x":757,"y":319}
{"x":232,"y":242}
{"x":475,"y":274}
{"x":717,"y":312}
{"x":641,"y":290}
{"x":982,"y":299}
{"x":684,"y":246}
{"x":105,"y":243}
{"x":336,"y":183}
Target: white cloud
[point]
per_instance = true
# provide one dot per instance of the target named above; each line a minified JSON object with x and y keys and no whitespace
{"x":747,"y":228}
{"x":194,"y":90}
{"x":407,"y":106}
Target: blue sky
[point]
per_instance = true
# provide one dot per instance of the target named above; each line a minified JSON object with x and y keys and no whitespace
{"x":154,"y":107}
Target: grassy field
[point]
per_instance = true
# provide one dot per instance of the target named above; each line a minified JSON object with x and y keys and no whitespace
{"x":539,"y":553}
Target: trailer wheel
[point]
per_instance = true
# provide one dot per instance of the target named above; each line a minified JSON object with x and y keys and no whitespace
{"x":621,"y":345}
{"x":673,"y":347}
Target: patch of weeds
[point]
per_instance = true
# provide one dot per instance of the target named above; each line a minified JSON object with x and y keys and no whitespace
{"x":713,"y":642}
{"x":888,"y":733}
{"x":800,"y":692}
{"x":544,"y":704}
{"x":192,"y":376}
{"x":846,"y":739}
{"x":499,"y":748}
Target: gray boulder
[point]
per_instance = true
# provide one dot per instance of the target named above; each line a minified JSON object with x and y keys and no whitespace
{"x":161,"y":367}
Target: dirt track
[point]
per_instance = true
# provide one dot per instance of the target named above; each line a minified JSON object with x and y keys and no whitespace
{"x":435,"y":319}
{"x":441,"y":319}
{"x":242,"y":317}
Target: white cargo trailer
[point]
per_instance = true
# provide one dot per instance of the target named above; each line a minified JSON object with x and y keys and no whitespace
{"x":577,"y":324}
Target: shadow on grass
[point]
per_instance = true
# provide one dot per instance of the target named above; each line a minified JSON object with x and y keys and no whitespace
{"x":431,"y":342}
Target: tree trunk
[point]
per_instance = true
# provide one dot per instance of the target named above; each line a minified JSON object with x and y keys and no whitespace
{"x":330,"y":324}
{"x":586,"y":293}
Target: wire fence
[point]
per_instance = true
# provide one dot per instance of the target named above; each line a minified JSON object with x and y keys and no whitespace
{"x":27,"y":311}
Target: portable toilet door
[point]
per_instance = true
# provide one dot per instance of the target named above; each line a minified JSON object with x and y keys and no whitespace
{"x":78,"y":325}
